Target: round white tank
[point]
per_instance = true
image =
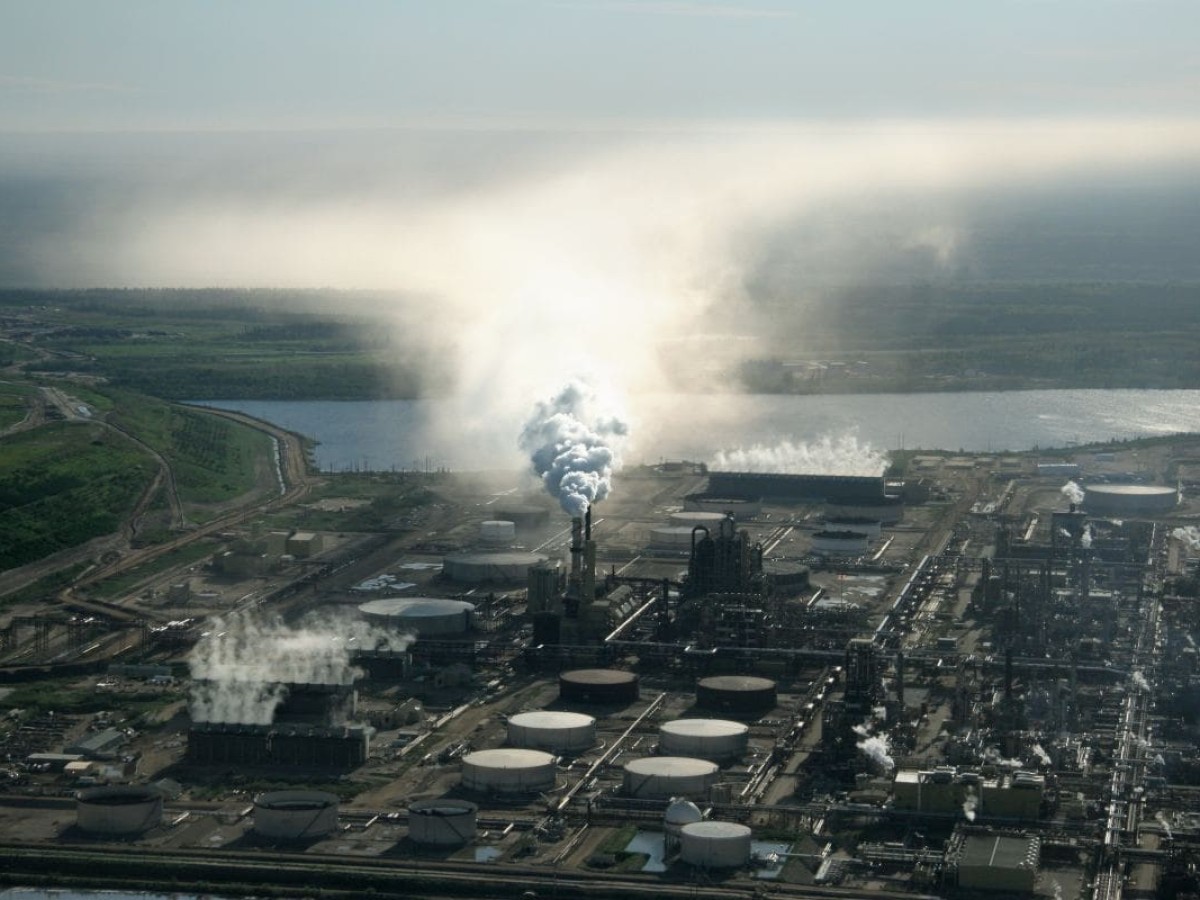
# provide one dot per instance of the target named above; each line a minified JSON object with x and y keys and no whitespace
{"x":442,"y":823}
{"x":663,"y":777}
{"x":679,"y":812}
{"x":427,"y":616}
{"x":508,"y":771}
{"x":118,"y":810}
{"x":671,"y":537}
{"x":497,"y":567}
{"x":689,"y":519}
{"x":497,"y":531}
{"x":713,"y":739}
{"x":295,"y":815}
{"x":558,"y":732}
{"x":715,"y":845}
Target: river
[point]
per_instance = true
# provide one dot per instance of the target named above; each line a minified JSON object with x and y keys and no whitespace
{"x":405,"y":434}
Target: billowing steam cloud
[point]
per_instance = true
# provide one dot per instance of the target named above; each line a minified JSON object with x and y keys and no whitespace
{"x":876,"y":748}
{"x":827,"y":455}
{"x":1138,"y":679}
{"x":1073,"y":492}
{"x":970,"y":805}
{"x":241,"y":668}
{"x":571,"y":443}
{"x":1189,"y":535}
{"x":1085,"y":539}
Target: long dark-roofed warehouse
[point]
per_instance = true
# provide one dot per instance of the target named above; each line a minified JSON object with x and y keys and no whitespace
{"x":848,"y":489}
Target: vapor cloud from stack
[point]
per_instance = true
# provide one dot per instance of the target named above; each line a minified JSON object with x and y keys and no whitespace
{"x":572,"y":445}
{"x":1073,"y":492}
{"x":827,"y":455}
{"x":1189,"y":535}
{"x":240,"y":669}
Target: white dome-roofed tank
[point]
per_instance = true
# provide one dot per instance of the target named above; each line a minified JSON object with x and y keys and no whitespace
{"x":118,"y":810}
{"x":497,"y":532}
{"x":712,"y":739}
{"x":663,"y":777}
{"x":442,"y":823}
{"x":295,"y":815}
{"x":671,"y":537}
{"x":427,"y":616}
{"x":679,"y":812}
{"x":689,"y":519}
{"x":557,"y":732}
{"x":497,"y":567}
{"x":508,"y":771}
{"x":715,"y":845}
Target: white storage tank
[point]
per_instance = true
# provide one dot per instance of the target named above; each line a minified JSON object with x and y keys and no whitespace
{"x":442,"y":823}
{"x":508,"y":771}
{"x":497,"y":532}
{"x":427,"y":616}
{"x":872,"y":528}
{"x":715,"y":845}
{"x":500,"y":567}
{"x":557,"y":732}
{"x":677,"y":538}
{"x":689,"y":519}
{"x":119,"y":810}
{"x":712,"y":739}
{"x":664,"y":777}
{"x":679,"y":812}
{"x":295,"y":815}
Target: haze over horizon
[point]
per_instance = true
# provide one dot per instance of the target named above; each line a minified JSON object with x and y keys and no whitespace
{"x":552,"y":188}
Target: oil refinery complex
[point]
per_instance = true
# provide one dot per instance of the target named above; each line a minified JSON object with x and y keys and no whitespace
{"x":979,"y":678}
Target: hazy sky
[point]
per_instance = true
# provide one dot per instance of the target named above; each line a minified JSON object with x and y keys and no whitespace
{"x":280,"y":64}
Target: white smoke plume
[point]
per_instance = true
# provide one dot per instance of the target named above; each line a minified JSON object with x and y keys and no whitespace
{"x":571,"y":441}
{"x":240,"y":669}
{"x":1040,"y":752}
{"x":876,"y":748}
{"x":1139,"y":681}
{"x":1161,"y":817}
{"x":970,"y":805}
{"x":1073,"y":492}
{"x":1189,"y":535}
{"x":1085,"y":540}
{"x":828,"y":455}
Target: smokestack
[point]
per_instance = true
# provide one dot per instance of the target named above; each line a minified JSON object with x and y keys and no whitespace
{"x":589,"y":559}
{"x":576,"y":547}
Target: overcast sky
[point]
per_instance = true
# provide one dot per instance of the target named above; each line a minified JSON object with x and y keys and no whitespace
{"x":283,"y":64}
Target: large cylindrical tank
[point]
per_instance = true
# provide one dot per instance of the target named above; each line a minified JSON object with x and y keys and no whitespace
{"x":508,"y":771}
{"x":677,"y":538}
{"x":743,"y":696}
{"x":557,"y":732}
{"x":428,"y":617}
{"x":712,"y":739}
{"x":689,"y":519}
{"x":1129,"y":499}
{"x":604,"y":686}
{"x":497,"y":532}
{"x":501,"y":567}
{"x":442,"y":823}
{"x":872,"y":528}
{"x":840,"y":543}
{"x":295,"y":815}
{"x":715,"y":845}
{"x":119,"y":810}
{"x":664,"y":777}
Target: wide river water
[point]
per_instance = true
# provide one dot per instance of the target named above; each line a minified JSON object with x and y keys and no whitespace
{"x":429,"y":434}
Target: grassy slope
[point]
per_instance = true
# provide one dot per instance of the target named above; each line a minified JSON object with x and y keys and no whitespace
{"x":14,"y":403}
{"x":63,"y":485}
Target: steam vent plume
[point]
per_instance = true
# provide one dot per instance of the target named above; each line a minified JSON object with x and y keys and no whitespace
{"x":572,"y":444}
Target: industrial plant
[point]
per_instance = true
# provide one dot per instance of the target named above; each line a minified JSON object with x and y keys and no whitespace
{"x":969,"y":677}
